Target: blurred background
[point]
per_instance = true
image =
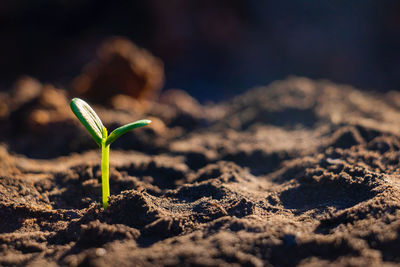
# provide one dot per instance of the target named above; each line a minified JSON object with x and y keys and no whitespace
{"x":211,"y":49}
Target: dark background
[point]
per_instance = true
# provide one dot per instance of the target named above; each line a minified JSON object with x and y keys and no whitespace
{"x":212,"y":49}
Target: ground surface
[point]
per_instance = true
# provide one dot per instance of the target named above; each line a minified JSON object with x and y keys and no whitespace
{"x":296,"y":173}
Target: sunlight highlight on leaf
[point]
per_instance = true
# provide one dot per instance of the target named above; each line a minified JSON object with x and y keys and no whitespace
{"x":88,"y":118}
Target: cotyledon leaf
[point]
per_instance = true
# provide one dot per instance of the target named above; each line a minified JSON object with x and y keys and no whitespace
{"x":126,"y":128}
{"x":88,"y":118}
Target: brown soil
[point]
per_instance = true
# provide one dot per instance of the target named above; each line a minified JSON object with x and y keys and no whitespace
{"x":296,"y":173}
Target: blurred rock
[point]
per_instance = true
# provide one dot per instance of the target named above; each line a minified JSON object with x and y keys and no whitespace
{"x":52,"y":106}
{"x":182,"y":101}
{"x":32,"y":104}
{"x":128,"y":103}
{"x":178,"y":108}
{"x":121,"y":68}
{"x":25,"y":89}
{"x":36,"y":120}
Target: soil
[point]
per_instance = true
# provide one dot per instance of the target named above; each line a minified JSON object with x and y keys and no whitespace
{"x":300,"y":173}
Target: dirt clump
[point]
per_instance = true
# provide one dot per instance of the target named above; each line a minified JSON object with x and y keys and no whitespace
{"x":121,"y":68}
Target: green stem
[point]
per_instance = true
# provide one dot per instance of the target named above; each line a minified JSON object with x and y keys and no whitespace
{"x":105,"y":150}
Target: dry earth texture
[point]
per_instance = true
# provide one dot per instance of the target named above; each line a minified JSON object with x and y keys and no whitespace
{"x":300,"y":172}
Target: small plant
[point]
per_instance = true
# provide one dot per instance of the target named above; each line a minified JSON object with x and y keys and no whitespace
{"x":93,"y":124}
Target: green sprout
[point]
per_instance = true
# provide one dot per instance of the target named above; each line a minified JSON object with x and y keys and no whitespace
{"x":93,"y":124}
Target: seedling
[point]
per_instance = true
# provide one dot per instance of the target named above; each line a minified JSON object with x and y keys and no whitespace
{"x":93,"y":124}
